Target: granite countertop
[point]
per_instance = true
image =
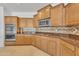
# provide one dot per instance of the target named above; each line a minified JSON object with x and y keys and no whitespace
{"x":23,"y":35}
{"x":70,"y":38}
{"x":66,"y":37}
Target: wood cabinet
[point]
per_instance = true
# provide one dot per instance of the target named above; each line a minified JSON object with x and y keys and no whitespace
{"x":36,"y":19}
{"x":77,"y":51}
{"x":58,"y":15}
{"x":41,"y":42}
{"x":11,"y":20}
{"x":56,"y":46}
{"x":45,"y":12}
{"x":34,"y":40}
{"x":25,"y":22}
{"x":28,"y":39}
{"x":24,"y":39}
{"x":30,"y":22}
{"x":22,"y":22}
{"x":39,"y":15}
{"x":55,"y":14}
{"x":48,"y":44}
{"x":77,"y":45}
{"x":38,"y":41}
{"x":44,"y":43}
{"x":72,"y":14}
{"x":19,"y":40}
{"x":52,"y":46}
{"x":67,"y":49}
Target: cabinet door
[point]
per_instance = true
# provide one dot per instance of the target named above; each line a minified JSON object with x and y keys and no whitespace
{"x":44,"y":43}
{"x":67,"y":49}
{"x":10,"y":20}
{"x":42,"y":14}
{"x":72,"y":12}
{"x":39,"y":15}
{"x":28,"y":40}
{"x":47,"y":12}
{"x":19,"y":40}
{"x":22,"y":22}
{"x":24,"y":40}
{"x":77,"y":47}
{"x":36,"y":21}
{"x":51,"y":46}
{"x":77,"y":51}
{"x":38,"y":41}
{"x":34,"y":41}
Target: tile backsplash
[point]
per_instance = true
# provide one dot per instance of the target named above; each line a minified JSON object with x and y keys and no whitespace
{"x":66,"y":30}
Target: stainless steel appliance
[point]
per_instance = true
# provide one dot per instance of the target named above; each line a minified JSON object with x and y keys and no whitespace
{"x":10,"y":31}
{"x":44,"y":23}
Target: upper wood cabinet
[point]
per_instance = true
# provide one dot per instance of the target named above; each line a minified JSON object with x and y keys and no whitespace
{"x":25,"y":22}
{"x":11,"y":20}
{"x":22,"y":22}
{"x":35,"y":22}
{"x":72,"y":14}
{"x":60,"y":15}
{"x":57,"y":15}
{"x":45,"y":12}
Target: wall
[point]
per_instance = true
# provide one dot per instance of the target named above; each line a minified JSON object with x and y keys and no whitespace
{"x":2,"y":28}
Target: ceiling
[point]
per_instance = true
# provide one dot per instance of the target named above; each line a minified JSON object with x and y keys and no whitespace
{"x":23,"y":8}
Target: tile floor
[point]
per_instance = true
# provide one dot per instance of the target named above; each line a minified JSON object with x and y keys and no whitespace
{"x":21,"y":51}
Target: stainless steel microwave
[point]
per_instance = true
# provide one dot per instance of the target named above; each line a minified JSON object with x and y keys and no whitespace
{"x":44,"y":22}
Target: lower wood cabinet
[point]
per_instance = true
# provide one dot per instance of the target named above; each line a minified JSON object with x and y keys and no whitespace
{"x":41,"y":42}
{"x":44,"y":43}
{"x":38,"y":41}
{"x":52,"y":47}
{"x":77,"y":47}
{"x":19,"y":40}
{"x":28,"y":39}
{"x":77,"y":51}
{"x":67,"y":49}
{"x":34,"y":41}
{"x":24,"y":40}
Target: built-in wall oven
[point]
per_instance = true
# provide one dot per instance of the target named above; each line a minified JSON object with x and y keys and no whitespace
{"x":10,"y":31}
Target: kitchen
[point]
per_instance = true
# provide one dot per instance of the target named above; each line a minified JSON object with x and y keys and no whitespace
{"x":53,"y":28}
